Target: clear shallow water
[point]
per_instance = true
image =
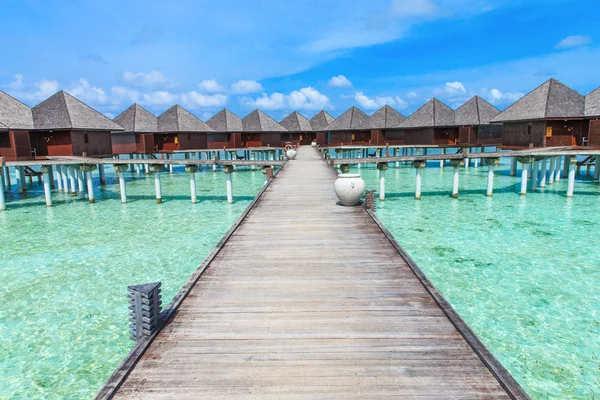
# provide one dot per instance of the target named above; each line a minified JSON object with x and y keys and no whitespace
{"x":65,"y":269}
{"x":523,"y":272}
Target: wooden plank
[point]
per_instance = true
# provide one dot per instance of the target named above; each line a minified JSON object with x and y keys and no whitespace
{"x":309,"y":299}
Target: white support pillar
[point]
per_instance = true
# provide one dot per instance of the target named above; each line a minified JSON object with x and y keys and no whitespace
{"x":534,"y":175}
{"x":597,"y":168}
{"x":215,"y":165}
{"x":120,"y":171}
{"x":170,"y":157}
{"x":80,"y":183}
{"x":558,"y":173}
{"x":491,"y":163}
{"x":419,"y":165}
{"x":90,"y":183}
{"x":2,"y":196}
{"x":58,"y":178}
{"x":571,"y":182}
{"x":72,"y":180}
{"x":47,"y":186}
{"x":524,"y":174}
{"x":19,"y":178}
{"x":156,"y":169}
{"x":543,"y":171}
{"x":131,"y":166}
{"x":7,"y":183}
{"x":192,"y":169}
{"x":565,"y":170}
{"x":228,"y":169}
{"x":65,"y":178}
{"x":442,"y":160}
{"x":513,"y":166}
{"x":456,"y":176}
{"x":467,"y":160}
{"x":101,"y":174}
{"x":552,"y":172}
{"x":252,"y":158}
{"x":382,"y":167}
{"x":476,"y":162}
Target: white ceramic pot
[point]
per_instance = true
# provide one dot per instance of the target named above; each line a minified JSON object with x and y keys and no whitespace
{"x":290,"y":154}
{"x":349,"y":188}
{"x":314,"y":144}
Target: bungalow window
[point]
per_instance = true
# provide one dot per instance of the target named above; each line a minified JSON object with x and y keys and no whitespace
{"x":529,"y":129}
{"x":85,"y":138}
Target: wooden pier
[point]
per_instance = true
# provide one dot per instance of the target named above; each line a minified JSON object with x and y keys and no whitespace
{"x":305,"y":298}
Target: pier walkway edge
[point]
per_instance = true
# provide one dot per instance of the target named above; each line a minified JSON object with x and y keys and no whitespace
{"x":305,"y":298}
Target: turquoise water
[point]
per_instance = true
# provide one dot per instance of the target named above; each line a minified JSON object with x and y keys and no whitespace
{"x":65,"y":269}
{"x":523,"y":272}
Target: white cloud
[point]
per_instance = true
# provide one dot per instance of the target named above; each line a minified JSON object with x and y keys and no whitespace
{"x":110,"y":115}
{"x":122,"y":94}
{"x":152,"y":78}
{"x":495,"y":96}
{"x":42,"y":90}
{"x":245,"y":86}
{"x":412,"y":95}
{"x":307,"y":98}
{"x":339,"y":81}
{"x":194,"y":99}
{"x":211,"y":86}
{"x":16,"y":83}
{"x":372,"y":103}
{"x":413,"y":8}
{"x":571,"y":42}
{"x":454,"y":87}
{"x":160,"y":97}
{"x":206,"y":115}
{"x":87,"y":93}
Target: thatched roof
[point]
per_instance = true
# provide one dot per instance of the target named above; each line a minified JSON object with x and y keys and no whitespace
{"x":296,"y":122}
{"x":433,"y":114}
{"x":14,"y":114}
{"x":258,"y":121}
{"x":3,"y":127}
{"x":225,"y":121}
{"x":385,"y":118}
{"x":592,"y":104}
{"x":353,"y":119}
{"x":551,"y":99}
{"x":476,"y":111}
{"x":178,"y":119}
{"x":63,"y":111}
{"x":137,"y":119}
{"x":320,"y":121}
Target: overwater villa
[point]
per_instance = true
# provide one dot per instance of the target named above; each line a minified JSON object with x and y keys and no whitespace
{"x":16,"y":121}
{"x":550,"y":115}
{"x":65,"y":126}
{"x":350,"y":128}
{"x":319,"y":124}
{"x":299,"y":127}
{"x":383,"y":124}
{"x":257,"y":124}
{"x":592,"y":114}
{"x":227,"y":131}
{"x":139,"y":126}
{"x":432,"y":124}
{"x":178,"y":129}
{"x":473,"y":119}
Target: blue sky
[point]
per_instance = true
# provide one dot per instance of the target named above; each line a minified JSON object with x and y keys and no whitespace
{"x":290,"y":55}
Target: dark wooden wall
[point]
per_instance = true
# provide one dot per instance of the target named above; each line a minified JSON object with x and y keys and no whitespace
{"x":91,"y":143}
{"x":564,"y":133}
{"x":445,"y":136}
{"x":467,"y":135}
{"x":56,"y":143}
{"x":192,"y":140}
{"x":321,"y":138}
{"x":270,"y":139}
{"x":339,"y":138}
{"x":123,"y":143}
{"x":419,"y":136}
{"x":515,"y":134}
{"x":235,"y":140}
{"x":216,"y":140}
{"x":489,"y":134}
{"x":394,"y":137}
{"x":15,"y":145}
{"x":377,"y":137}
{"x":251,"y":140}
{"x":144,"y":143}
{"x":6,"y":149}
{"x":594,"y":134}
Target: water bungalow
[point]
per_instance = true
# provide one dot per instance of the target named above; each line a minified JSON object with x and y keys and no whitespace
{"x":257,"y":124}
{"x":300,"y":129}
{"x":550,"y":115}
{"x":178,"y":129}
{"x":319,"y":125}
{"x":592,"y":113}
{"x":139,"y":126}
{"x":228,"y":130}
{"x":383,"y":124}
{"x":65,"y":126}
{"x":432,"y":124}
{"x":352,"y":127}
{"x":16,"y":121}
{"x":473,"y":119}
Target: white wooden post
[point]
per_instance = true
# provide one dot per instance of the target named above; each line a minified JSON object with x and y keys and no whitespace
{"x":65,"y":178}
{"x":228,"y":169}
{"x":382,"y":167}
{"x":524,"y":174}
{"x":571,"y":182}
{"x":566,"y":164}
{"x":491,"y":163}
{"x":19,"y":178}
{"x":543,"y":172}
{"x":81,"y":183}
{"x":558,"y":173}
{"x":192,"y":169}
{"x":101,"y":174}
{"x":534,"y":175}
{"x":120,"y":171}
{"x":7,"y":183}
{"x":47,"y":187}
{"x":552,"y":172}
{"x":418,"y":165}
{"x":513,"y":166}
{"x":156,"y":169}
{"x":455,"y":176}
{"x":72,"y":180}
{"x":90,"y":183}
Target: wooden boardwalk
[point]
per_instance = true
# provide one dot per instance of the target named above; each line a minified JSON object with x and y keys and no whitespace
{"x":309,"y":299}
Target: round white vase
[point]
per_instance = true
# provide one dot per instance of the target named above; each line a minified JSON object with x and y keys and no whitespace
{"x":349,"y":188}
{"x":290,"y":154}
{"x":314,"y":144}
